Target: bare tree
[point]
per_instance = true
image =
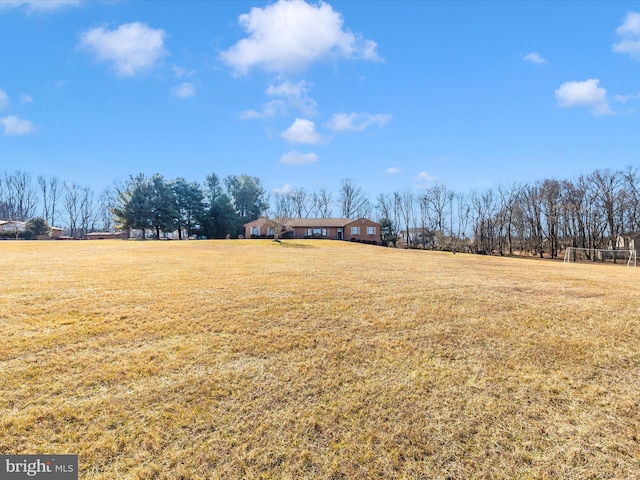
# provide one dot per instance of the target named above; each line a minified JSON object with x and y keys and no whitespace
{"x":301,"y":203}
{"x":509,"y":197}
{"x":51,"y":191}
{"x":19,"y":196}
{"x":353,"y":201}
{"x":321,"y":203}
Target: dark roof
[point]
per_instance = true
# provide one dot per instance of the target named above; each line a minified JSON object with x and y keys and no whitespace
{"x":304,"y":222}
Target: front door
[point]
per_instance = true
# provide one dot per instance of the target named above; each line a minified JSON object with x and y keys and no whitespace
{"x":339,"y":234}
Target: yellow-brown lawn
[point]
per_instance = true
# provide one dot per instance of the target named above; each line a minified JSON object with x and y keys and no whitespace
{"x":318,"y":360}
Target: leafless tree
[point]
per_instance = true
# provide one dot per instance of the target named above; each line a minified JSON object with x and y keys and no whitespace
{"x":353,"y":201}
{"x":50,"y":189}
{"x":18,"y":196}
{"x":79,"y":210}
{"x":301,"y":202}
{"x":321,"y":203}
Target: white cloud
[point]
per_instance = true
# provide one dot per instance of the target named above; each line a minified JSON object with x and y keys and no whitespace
{"x":587,"y":94}
{"x":290,"y":96}
{"x":629,"y":32}
{"x":180,"y":72}
{"x":393,"y":170}
{"x":289,"y":35}
{"x":26,"y":98}
{"x":15,"y":126}
{"x":296,"y":96}
{"x":297,"y":158}
{"x":626,"y":98}
{"x":131,"y":48}
{"x":4,"y":100}
{"x":356,"y":122}
{"x":535,"y":57}
{"x":425,"y":177}
{"x":269,"y":110}
{"x":38,"y":5}
{"x":283,"y":190}
{"x":302,"y":131}
{"x":184,"y":90}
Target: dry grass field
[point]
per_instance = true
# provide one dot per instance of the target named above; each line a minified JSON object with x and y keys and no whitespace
{"x":317,"y":360}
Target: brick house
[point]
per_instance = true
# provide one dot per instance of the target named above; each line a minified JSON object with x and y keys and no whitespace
{"x":361,"y":230}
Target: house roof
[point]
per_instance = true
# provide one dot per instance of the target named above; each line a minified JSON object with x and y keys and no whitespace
{"x":303,"y":222}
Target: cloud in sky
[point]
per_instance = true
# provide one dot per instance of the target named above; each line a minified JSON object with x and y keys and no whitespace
{"x":535,"y":57}
{"x":425,"y":177}
{"x":184,"y":90}
{"x":289,"y":96}
{"x":629,"y":32}
{"x":296,"y":95}
{"x":269,"y":110}
{"x":26,"y":98}
{"x":131,"y":48}
{"x":289,"y":35}
{"x":298,"y":158}
{"x":626,"y":98}
{"x":302,"y":131}
{"x":15,"y":126}
{"x":38,"y":5}
{"x":180,"y":72}
{"x":393,"y":170}
{"x":282,"y":190}
{"x":586,"y":94}
{"x":4,"y":100}
{"x":356,"y":122}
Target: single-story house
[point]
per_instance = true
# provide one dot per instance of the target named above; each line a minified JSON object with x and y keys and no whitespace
{"x":106,"y":235}
{"x":362,"y":229}
{"x":14,"y":227}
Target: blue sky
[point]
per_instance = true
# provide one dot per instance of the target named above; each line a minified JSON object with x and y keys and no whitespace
{"x":393,"y":94}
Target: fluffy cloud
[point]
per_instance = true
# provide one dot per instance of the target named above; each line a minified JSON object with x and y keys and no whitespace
{"x":356,"y":122}
{"x":425,"y":177}
{"x":38,"y":5}
{"x":269,"y":110}
{"x":627,"y":98}
{"x":587,"y":94}
{"x":302,"y":131}
{"x":297,"y":158}
{"x":180,"y":72}
{"x":283,"y":190}
{"x":289,"y":35}
{"x":184,"y":90}
{"x":393,"y":170}
{"x":15,"y":126}
{"x":131,"y":48}
{"x":535,"y":57}
{"x":629,"y":32}
{"x":4,"y":100}
{"x":294,"y":96}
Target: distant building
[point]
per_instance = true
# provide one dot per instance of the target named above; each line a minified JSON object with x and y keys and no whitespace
{"x":105,"y":235}
{"x":14,"y":228}
{"x":360,"y":230}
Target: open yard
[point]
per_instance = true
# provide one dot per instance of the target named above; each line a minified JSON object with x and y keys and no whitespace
{"x":318,"y":360}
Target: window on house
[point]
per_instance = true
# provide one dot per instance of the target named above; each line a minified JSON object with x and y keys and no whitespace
{"x":255,"y":231}
{"x":371,"y":230}
{"x":271,"y":231}
{"x":355,"y":230}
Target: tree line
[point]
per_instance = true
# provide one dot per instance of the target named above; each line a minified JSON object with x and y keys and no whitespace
{"x":541,"y":218}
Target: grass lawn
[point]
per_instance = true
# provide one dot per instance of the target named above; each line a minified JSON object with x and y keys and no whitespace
{"x":319,"y":360}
